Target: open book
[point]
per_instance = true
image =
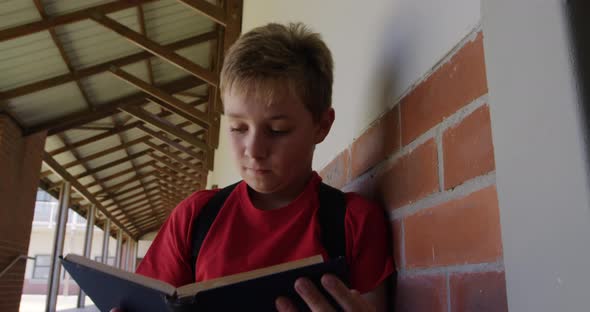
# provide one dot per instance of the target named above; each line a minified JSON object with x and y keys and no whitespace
{"x":257,"y":290}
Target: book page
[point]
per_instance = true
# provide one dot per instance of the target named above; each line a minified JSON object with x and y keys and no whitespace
{"x":192,"y":289}
{"x":132,"y":277}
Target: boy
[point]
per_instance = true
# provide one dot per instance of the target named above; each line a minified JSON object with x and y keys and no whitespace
{"x":276,"y":86}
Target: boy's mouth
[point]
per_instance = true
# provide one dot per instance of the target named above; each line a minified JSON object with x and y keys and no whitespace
{"x":258,"y":170}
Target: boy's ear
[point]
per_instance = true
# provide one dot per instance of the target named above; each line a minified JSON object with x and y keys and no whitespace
{"x":325,"y":124}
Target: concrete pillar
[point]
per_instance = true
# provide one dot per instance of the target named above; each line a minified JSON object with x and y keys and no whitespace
{"x":20,"y":165}
{"x":118,"y":250}
{"x":87,"y":247}
{"x":105,"y":241}
{"x":58,"y":245}
{"x":134,"y":256}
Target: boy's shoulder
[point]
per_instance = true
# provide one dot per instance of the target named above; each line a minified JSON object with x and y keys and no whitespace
{"x":359,"y":207}
{"x":193,"y":203}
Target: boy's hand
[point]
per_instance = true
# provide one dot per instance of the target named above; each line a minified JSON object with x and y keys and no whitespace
{"x":348,"y":299}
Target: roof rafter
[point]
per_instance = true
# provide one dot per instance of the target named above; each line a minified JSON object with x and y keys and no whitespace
{"x":157,"y":49}
{"x":166,"y":100}
{"x":68,"y":18}
{"x":54,"y":165}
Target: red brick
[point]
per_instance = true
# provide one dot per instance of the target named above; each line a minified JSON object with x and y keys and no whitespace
{"x":336,"y":172}
{"x":411,"y":178}
{"x":376,"y":143}
{"x":468,"y":150}
{"x":482,"y":292}
{"x":452,"y":86}
{"x":20,"y":164}
{"x":397,"y":242}
{"x":461,"y":231}
{"x":421,"y":293}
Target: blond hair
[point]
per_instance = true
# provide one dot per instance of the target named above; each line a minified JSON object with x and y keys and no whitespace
{"x":278,"y":55}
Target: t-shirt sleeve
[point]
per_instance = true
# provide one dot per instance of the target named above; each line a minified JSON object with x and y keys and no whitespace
{"x":168,"y":258}
{"x":368,"y":244}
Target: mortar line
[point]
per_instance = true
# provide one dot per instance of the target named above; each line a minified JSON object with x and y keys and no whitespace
{"x":448,"y":292}
{"x":403,"y":244}
{"x":497,"y":266}
{"x":461,"y":191}
{"x":440,"y":159}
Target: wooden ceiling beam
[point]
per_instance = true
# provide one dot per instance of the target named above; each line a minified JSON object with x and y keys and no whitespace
{"x":62,"y":52}
{"x":112,"y":164}
{"x":129,"y":190}
{"x":129,"y":210}
{"x":119,"y":174}
{"x":105,"y":110}
{"x":133,"y":196}
{"x":143,"y":31}
{"x":72,"y":17}
{"x":162,"y":137}
{"x":186,"y":162}
{"x":166,"y":100}
{"x":77,"y":156}
{"x":65,"y":175}
{"x":209,"y":10}
{"x":100,"y":68}
{"x":168,"y":178}
{"x":152,"y":197}
{"x":176,"y":168}
{"x":107,"y":191}
{"x":157,"y":49}
{"x":105,"y":152}
{"x":164,"y":125}
{"x":136,"y":124}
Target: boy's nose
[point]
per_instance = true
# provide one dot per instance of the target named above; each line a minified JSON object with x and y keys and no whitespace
{"x":257,"y":146}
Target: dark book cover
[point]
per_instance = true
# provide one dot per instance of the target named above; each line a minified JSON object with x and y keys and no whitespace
{"x":259,"y":294}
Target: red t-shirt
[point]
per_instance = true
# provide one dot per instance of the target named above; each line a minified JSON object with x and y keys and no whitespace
{"x":244,"y":238}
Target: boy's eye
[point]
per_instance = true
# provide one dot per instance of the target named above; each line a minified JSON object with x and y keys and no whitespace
{"x":279,"y":131}
{"x":237,"y":129}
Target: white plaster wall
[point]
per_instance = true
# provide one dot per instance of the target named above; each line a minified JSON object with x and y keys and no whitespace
{"x":380,"y":49}
{"x":541,"y":166}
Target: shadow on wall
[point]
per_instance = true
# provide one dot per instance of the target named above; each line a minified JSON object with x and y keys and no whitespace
{"x":429,"y":160}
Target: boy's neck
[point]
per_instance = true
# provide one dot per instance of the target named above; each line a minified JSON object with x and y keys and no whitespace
{"x":279,"y":199}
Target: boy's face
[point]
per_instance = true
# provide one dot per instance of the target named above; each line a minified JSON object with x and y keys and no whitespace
{"x":273,"y":142}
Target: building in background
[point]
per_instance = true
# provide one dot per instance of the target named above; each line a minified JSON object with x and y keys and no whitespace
{"x":40,"y":246}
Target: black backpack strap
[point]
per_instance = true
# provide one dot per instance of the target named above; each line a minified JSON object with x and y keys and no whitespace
{"x":204,"y":220}
{"x":332,"y":212}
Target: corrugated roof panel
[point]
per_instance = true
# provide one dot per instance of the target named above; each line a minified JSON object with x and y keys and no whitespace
{"x":17,"y":12}
{"x":168,"y":21}
{"x":53,"y":143}
{"x":60,"y":7}
{"x":199,"y":53}
{"x":98,"y":146}
{"x":74,"y":135}
{"x":113,"y":170}
{"x":132,"y":134}
{"x":29,"y":59}
{"x":166,"y":72}
{"x":48,"y":104}
{"x":106,"y":87}
{"x":88,"y":43}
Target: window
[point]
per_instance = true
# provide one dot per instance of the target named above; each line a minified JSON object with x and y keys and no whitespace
{"x":43,"y":211}
{"x":41,"y":266}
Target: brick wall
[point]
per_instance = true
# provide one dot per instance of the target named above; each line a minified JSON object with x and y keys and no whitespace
{"x":430,"y":162}
{"x":20,"y":164}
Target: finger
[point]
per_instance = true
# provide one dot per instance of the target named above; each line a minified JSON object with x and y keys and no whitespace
{"x":284,"y":305}
{"x":312,"y":296}
{"x":340,"y":293}
{"x":358,"y":298}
